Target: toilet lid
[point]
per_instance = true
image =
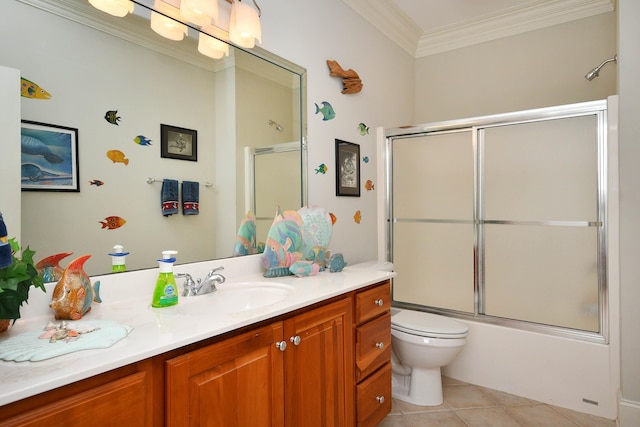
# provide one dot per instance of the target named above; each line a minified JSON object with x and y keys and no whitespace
{"x":428,"y":325}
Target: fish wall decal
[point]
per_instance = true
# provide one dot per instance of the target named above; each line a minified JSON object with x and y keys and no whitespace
{"x":327,"y":111}
{"x":29,"y":89}
{"x":112,"y":117}
{"x":117,"y":156}
{"x":112,"y":222}
{"x":142,"y":140}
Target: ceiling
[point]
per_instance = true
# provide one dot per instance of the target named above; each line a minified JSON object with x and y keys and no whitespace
{"x":427,"y":27}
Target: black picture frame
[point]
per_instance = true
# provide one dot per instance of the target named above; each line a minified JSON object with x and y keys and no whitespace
{"x":49,"y":157}
{"x":178,"y":143}
{"x":347,"y":169}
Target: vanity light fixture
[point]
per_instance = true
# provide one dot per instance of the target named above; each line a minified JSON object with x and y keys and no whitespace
{"x":244,"y":25}
{"x":213,"y":47}
{"x":166,"y":27}
{"x":199,"y":12}
{"x":117,"y":8}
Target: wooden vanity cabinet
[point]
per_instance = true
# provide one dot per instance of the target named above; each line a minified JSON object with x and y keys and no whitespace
{"x":253,"y":379}
{"x":373,"y":354}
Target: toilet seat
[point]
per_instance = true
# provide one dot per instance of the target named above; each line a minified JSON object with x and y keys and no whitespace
{"x":427,"y":324}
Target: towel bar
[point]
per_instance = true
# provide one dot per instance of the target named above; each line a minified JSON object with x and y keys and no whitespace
{"x":152,"y":180}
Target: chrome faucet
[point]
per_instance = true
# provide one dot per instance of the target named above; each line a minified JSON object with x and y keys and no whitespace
{"x":202,"y":287}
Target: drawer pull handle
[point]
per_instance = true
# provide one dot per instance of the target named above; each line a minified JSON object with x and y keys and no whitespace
{"x":380,"y":344}
{"x":380,"y":399}
{"x":281,"y":345}
{"x":379,"y":302}
{"x":295,"y":340}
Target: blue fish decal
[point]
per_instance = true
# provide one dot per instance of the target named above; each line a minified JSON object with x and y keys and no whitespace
{"x":142,"y":140}
{"x":112,"y":117}
{"x":365,"y":159}
{"x":322,"y":169}
{"x":327,"y":111}
{"x":363,"y":129}
{"x":33,"y":146}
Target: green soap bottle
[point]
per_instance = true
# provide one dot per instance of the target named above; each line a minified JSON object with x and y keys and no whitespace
{"x":118,"y":259}
{"x":166,"y":291}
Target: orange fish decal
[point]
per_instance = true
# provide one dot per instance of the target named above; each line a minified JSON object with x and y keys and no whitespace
{"x":333,"y":218}
{"x":117,"y":156}
{"x":369,"y":185}
{"x":112,"y":222}
{"x":357,"y":217}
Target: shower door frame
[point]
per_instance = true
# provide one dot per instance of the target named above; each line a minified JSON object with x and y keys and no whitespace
{"x":476,"y":126}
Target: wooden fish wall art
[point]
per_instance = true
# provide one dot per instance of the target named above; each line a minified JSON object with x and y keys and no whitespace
{"x":350,"y":80}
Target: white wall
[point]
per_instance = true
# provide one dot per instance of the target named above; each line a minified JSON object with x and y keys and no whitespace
{"x":10,"y":164}
{"x":629,"y":129}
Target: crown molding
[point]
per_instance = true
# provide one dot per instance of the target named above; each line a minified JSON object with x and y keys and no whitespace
{"x":391,"y":21}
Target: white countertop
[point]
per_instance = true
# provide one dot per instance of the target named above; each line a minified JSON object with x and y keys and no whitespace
{"x":126,"y":300}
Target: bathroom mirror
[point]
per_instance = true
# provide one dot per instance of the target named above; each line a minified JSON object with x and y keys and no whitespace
{"x":116,"y":82}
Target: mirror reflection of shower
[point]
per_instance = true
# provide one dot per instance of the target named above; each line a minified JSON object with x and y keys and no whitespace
{"x":277,"y":125}
{"x":595,"y":72}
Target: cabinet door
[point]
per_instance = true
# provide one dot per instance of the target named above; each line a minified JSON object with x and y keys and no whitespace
{"x":319,"y":367}
{"x":236,"y":382}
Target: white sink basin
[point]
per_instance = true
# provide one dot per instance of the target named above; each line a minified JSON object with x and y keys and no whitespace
{"x":236,"y":297}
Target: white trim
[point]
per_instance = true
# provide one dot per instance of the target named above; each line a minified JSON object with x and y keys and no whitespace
{"x":628,"y":413}
{"x":392,"y":22}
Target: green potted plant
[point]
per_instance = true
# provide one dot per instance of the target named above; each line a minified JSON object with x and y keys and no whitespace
{"x":15,"y":282}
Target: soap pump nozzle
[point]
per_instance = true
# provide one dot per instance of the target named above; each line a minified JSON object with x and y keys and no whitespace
{"x":118,"y":259}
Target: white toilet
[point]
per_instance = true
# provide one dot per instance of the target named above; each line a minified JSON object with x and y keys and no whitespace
{"x":421,"y":344}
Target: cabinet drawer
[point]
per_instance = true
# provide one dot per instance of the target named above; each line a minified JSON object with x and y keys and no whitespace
{"x":374,"y":397}
{"x":373,"y":345}
{"x":373,"y":302}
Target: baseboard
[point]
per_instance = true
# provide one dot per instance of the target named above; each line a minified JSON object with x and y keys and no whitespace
{"x":628,"y":413}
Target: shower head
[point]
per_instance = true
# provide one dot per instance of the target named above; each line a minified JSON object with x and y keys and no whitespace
{"x":596,"y":71}
{"x":277,"y":125}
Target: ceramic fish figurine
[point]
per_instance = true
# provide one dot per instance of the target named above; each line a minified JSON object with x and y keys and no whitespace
{"x":369,"y":185}
{"x":246,"y":237}
{"x":96,"y":182}
{"x":35,"y":147}
{"x":357,"y":217}
{"x":327,"y":111}
{"x":304,"y":268}
{"x":142,"y":140}
{"x":112,"y":222}
{"x":49,"y":267}
{"x":112,"y":117}
{"x":284,"y":241}
{"x":336,"y":263}
{"x":117,"y":156}
{"x":73,"y":293}
{"x":363,"y":129}
{"x":29,"y":89}
{"x":34,"y":173}
{"x":322,"y":169}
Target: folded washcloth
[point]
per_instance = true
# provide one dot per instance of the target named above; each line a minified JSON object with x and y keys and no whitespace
{"x":169,"y":197}
{"x":190,"y":198}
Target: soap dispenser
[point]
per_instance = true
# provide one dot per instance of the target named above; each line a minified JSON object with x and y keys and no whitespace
{"x":118,"y":259}
{"x":166,"y":291}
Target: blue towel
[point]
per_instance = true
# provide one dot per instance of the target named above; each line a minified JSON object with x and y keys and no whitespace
{"x":190,"y":198}
{"x":169,"y":197}
{"x":5,"y":247}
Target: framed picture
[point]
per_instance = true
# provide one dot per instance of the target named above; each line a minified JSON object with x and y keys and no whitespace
{"x":178,"y":143}
{"x":49,"y":159}
{"x":347,"y":169}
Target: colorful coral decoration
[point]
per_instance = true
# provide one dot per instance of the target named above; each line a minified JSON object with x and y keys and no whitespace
{"x":112,"y":222}
{"x":365,"y":159}
{"x":322,"y":168}
{"x":369,"y":185}
{"x":357,"y":217}
{"x":284,"y":241}
{"x":112,"y":117}
{"x":363,"y":129}
{"x":246,"y":237}
{"x":142,"y":140}
{"x":334,"y":218}
{"x":96,"y":182}
{"x":49,"y":268}
{"x":35,"y":147}
{"x":73,"y":293}
{"x":316,"y":234}
{"x":29,"y":89}
{"x":117,"y":156}
{"x":327,"y":111}
{"x":350,"y":79}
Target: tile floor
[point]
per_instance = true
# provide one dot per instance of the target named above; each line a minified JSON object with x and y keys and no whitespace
{"x":467,"y":405}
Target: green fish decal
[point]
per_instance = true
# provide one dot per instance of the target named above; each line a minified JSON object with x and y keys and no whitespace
{"x":363,"y":129}
{"x":29,"y":89}
{"x":327,"y":111}
{"x":322,"y":169}
{"x":112,"y":117}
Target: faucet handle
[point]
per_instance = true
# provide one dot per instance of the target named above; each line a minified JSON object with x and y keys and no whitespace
{"x":213,"y":270}
{"x":189,"y":284}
